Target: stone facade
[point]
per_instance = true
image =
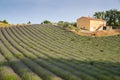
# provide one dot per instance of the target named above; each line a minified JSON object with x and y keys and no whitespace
{"x":90,"y":24}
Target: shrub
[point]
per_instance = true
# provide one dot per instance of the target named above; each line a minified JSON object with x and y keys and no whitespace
{"x":77,"y":29}
{"x":46,"y":22}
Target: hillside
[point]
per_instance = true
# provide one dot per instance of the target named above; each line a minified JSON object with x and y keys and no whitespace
{"x":3,"y":24}
{"x":46,"y":52}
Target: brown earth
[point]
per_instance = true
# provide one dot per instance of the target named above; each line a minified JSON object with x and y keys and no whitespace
{"x":98,"y":33}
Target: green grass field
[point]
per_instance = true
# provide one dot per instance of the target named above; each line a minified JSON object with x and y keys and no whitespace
{"x":46,"y":52}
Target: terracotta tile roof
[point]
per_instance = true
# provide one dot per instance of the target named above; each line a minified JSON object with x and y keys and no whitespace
{"x":90,"y":18}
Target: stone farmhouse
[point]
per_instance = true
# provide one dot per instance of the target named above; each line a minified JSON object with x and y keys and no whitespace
{"x":91,"y":24}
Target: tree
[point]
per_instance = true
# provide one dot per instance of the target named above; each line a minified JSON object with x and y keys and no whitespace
{"x":66,"y":24}
{"x":74,"y":24}
{"x":29,"y":22}
{"x":111,"y":16}
{"x":60,"y":23}
{"x":4,"y":21}
{"x":63,"y":24}
{"x":46,"y":22}
{"x":99,"y":15}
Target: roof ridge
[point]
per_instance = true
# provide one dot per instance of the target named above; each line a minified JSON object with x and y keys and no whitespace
{"x":91,"y":18}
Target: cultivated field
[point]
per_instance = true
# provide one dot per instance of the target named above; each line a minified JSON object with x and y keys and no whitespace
{"x":46,"y":52}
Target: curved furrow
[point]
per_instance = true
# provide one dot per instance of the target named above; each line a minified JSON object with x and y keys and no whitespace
{"x":52,"y":37}
{"x":110,"y":68}
{"x":60,"y":45}
{"x":57,"y":34}
{"x":77,"y":64}
{"x":6,"y":72}
{"x":74,"y":51}
{"x":52,"y":34}
{"x":51,"y":53}
{"x":53,"y":60}
{"x":56,"y":30}
{"x":43,"y":43}
{"x":53,"y":47}
{"x":58,"y":71}
{"x":17,"y":65}
{"x":46,"y":75}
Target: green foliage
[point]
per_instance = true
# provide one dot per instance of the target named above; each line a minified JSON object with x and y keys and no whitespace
{"x":4,"y":21}
{"x":46,"y":22}
{"x":99,"y":15}
{"x":60,"y":23}
{"x":77,"y":29}
{"x":70,"y":27}
{"x":111,"y":16}
{"x":66,"y":24}
{"x":29,"y":22}
{"x":74,"y":24}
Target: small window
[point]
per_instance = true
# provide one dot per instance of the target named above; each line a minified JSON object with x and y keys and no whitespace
{"x":104,"y":28}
